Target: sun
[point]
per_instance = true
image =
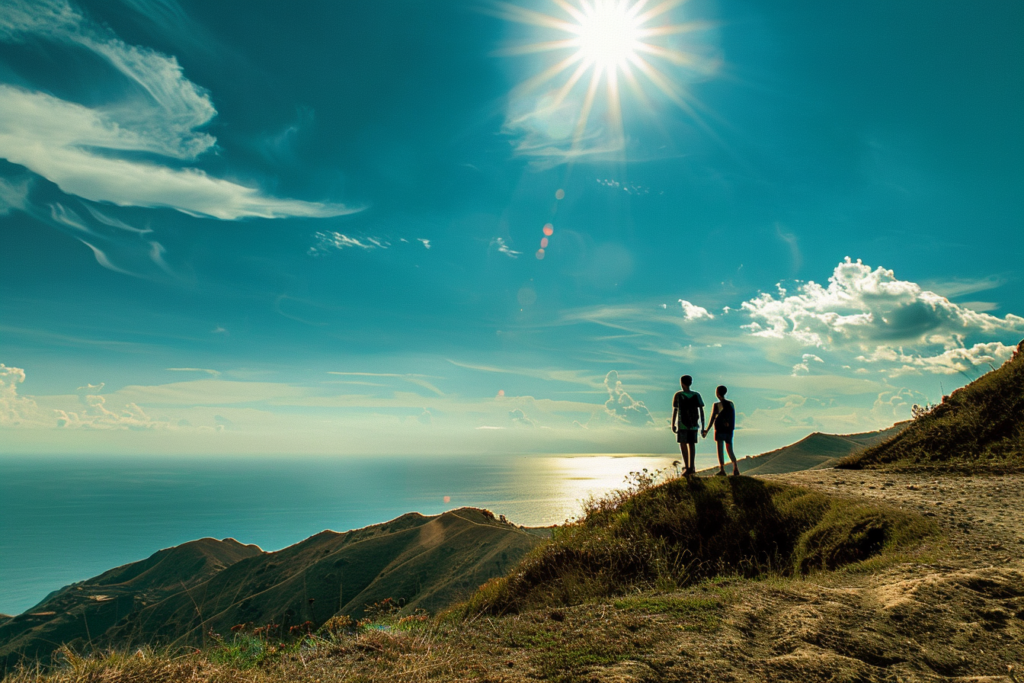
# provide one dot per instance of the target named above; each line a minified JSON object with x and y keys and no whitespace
{"x":603,"y":43}
{"x":608,"y":35}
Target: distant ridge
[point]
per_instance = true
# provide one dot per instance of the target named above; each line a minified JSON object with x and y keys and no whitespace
{"x":814,"y":451}
{"x":979,"y":427}
{"x":179,"y":594}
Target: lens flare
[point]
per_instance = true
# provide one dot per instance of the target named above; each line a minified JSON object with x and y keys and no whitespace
{"x":549,"y":230}
{"x":603,"y":42}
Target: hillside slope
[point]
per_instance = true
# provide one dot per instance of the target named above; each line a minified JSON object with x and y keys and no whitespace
{"x":686,"y":530}
{"x":814,"y":451}
{"x":180,"y":594}
{"x":85,"y":611}
{"x":978,"y":428}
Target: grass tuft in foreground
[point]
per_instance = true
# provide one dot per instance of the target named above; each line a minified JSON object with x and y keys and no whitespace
{"x":680,"y":532}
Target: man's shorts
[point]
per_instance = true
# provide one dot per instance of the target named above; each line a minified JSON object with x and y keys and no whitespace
{"x":685,"y":435}
{"x":723,"y":435}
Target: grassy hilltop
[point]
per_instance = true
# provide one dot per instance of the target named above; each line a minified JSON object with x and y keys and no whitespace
{"x":979,"y":428}
{"x":684,"y":531}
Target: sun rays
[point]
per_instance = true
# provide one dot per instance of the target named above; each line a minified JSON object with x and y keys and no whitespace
{"x":599,"y":47}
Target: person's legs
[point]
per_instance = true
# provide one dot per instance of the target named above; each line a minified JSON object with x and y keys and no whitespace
{"x":721,"y":457}
{"x":732,"y":456}
{"x":682,"y":456}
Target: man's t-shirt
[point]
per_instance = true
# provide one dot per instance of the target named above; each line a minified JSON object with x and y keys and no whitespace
{"x":688,"y":404}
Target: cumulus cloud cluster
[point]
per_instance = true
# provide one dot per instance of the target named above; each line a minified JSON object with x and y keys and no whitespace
{"x":623,"y":407}
{"x":520,"y":419}
{"x":91,"y":412}
{"x":694,"y":312}
{"x":886,"y":318}
{"x":14,"y":410}
{"x":950,"y":362}
{"x":804,"y":366}
{"x":94,"y":151}
{"x":95,"y":414}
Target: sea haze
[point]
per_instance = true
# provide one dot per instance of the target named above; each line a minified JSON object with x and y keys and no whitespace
{"x":66,"y":519}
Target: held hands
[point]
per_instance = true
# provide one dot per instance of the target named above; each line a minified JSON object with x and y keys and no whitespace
{"x":704,"y":433}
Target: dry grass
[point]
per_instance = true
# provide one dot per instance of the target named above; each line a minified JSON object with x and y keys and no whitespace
{"x":893,"y":617}
{"x":979,"y":428}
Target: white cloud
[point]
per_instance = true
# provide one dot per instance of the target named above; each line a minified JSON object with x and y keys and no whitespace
{"x":866,"y":307}
{"x":520,"y":419}
{"x":14,"y":410}
{"x":952,"y":361}
{"x":894,"y":405}
{"x":622,"y":406}
{"x":81,"y":149}
{"x":328,"y":241}
{"x":803,"y":367}
{"x":13,"y":195}
{"x":694,"y":312}
{"x":213,"y":373}
{"x":95,"y":414}
{"x":503,"y":248}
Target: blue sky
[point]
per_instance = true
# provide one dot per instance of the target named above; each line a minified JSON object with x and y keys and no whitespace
{"x":261,"y":228}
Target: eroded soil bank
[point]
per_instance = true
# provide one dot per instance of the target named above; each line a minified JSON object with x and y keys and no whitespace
{"x":956,"y":613}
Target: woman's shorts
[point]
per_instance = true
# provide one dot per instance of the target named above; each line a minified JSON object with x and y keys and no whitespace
{"x":723,"y":435}
{"x":686,"y":435}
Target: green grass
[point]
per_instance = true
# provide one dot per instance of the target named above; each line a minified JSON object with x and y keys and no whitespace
{"x":701,"y":615}
{"x":684,"y":531}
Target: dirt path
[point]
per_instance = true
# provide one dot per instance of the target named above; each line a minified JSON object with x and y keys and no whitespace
{"x":956,"y":616}
{"x":983,"y":516}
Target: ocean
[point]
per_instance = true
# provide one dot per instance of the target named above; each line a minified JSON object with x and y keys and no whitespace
{"x":67,"y":519}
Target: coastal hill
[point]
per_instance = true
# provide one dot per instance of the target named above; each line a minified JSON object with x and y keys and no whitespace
{"x":815,"y":451}
{"x":978,"y":428}
{"x":179,"y":594}
{"x":896,"y":568}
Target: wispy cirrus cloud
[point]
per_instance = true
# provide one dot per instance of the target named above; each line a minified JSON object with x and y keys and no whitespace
{"x":112,"y":152}
{"x":418,"y":380}
{"x":13,"y":195}
{"x":212,"y":373}
{"x":328,"y":241}
{"x":499,"y":245}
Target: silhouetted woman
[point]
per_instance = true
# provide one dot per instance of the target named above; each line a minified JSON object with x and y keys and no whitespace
{"x":723,"y":419}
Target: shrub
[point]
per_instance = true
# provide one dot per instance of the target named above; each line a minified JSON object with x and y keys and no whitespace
{"x":685,"y":530}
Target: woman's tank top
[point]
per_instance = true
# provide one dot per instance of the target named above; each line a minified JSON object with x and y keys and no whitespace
{"x":726,"y":420}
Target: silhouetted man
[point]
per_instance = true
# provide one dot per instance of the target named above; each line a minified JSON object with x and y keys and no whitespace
{"x":687,"y":420}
